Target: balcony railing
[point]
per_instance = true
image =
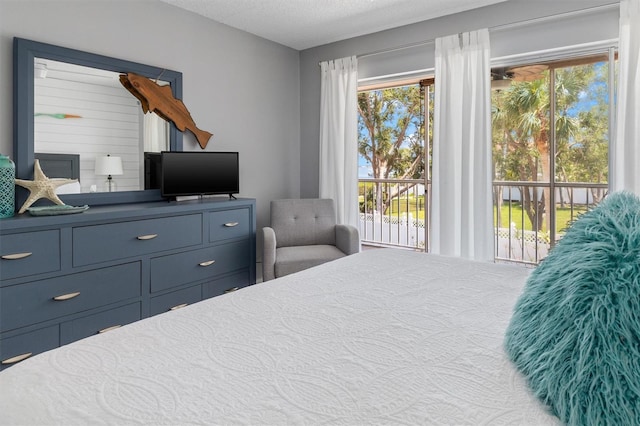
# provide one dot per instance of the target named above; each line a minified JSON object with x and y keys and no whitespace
{"x":524,"y":230}
{"x":394,"y":212}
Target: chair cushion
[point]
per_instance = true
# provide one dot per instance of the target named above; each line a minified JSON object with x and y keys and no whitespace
{"x":298,"y":258}
{"x":303,"y":222}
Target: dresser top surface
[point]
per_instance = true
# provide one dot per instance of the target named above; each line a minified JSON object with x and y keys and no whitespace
{"x":122,"y":211}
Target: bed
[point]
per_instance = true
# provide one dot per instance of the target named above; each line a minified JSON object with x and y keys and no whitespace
{"x":65,"y":166}
{"x":381,"y":337}
{"x":61,"y":166}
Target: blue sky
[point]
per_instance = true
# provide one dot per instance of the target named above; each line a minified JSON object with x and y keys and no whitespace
{"x":364,"y":167}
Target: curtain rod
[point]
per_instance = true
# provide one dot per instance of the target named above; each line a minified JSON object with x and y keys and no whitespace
{"x":496,"y":28}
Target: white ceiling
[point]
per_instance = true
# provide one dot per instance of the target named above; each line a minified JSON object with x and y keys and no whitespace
{"x":302,"y":24}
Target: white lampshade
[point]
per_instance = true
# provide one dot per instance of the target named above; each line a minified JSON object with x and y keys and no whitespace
{"x":109,"y":165}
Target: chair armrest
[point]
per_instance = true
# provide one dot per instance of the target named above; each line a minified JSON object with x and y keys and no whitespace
{"x":347,"y":239}
{"x":268,"y":254}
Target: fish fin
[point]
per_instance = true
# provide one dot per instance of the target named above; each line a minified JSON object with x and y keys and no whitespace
{"x":202,"y":136}
{"x":143,"y":102}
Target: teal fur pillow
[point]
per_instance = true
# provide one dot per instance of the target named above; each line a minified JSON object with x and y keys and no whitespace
{"x":575,"y":331}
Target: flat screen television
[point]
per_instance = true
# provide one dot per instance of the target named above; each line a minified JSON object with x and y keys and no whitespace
{"x":199,"y":173}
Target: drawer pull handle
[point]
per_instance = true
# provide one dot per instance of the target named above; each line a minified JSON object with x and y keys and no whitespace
{"x":15,"y":256}
{"x":147,"y":237}
{"x":113,"y":327}
{"x":16,"y":358}
{"x":231,"y":290}
{"x":179,"y":306}
{"x":231,"y":224}
{"x":66,"y":296}
{"x":207,"y":263}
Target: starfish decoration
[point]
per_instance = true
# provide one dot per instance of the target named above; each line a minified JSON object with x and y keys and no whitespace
{"x":41,"y":187}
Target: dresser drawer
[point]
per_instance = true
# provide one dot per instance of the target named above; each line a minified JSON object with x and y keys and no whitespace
{"x":227,"y":224}
{"x":99,"y":243}
{"x":18,"y":348}
{"x":34,"y":302}
{"x":102,"y":322}
{"x":225,"y":285}
{"x":29,"y":253}
{"x":175,"y":300}
{"x":177,"y":269}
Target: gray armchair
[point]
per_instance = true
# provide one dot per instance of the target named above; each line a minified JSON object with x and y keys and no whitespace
{"x":304,"y":233}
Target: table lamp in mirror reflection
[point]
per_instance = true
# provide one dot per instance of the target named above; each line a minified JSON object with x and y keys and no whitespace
{"x":109,"y":166}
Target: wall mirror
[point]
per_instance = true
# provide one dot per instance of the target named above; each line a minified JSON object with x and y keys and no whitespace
{"x":71,"y":112}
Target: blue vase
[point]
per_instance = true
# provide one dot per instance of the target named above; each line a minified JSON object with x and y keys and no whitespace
{"x":7,"y":187}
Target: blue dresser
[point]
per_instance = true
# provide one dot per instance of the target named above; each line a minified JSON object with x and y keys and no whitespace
{"x":63,"y":278}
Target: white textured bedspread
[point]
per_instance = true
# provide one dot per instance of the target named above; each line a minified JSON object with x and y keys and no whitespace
{"x":382,"y":337}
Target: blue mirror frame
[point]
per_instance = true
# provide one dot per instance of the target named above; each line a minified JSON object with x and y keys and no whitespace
{"x":24,"y":53}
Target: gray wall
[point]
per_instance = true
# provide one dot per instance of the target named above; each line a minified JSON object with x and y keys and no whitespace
{"x":242,"y":88}
{"x":258,"y":97}
{"x":508,"y":37}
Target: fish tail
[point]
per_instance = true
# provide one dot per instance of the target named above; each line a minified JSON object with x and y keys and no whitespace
{"x":202,"y":136}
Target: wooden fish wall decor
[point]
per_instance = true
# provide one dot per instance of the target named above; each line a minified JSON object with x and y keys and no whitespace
{"x":159,"y":99}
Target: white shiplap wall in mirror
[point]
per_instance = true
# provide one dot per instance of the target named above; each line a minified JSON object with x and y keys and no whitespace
{"x":111,"y":121}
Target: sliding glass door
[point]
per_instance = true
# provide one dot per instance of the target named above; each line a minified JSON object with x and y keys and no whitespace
{"x":551,"y":132}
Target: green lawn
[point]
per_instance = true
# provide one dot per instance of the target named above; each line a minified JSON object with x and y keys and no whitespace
{"x":563,"y":215}
{"x":416,"y":212}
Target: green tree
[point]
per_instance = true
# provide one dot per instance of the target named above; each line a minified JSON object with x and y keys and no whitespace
{"x":521,"y":134}
{"x":385,"y":119}
{"x":583,"y":157}
{"x":522,"y":116}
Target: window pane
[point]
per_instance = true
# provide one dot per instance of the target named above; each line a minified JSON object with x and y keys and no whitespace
{"x":391,"y":147}
{"x":390,"y":137}
{"x":582,"y":145}
{"x":550,"y":150}
{"x":521,"y":126}
{"x":582,"y":123}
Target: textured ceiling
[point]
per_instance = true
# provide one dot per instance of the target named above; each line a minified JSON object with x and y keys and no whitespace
{"x":302,"y":24}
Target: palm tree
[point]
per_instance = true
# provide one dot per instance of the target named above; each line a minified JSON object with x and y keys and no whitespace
{"x":522,"y":116}
{"x":521,"y":126}
{"x":583,"y":156}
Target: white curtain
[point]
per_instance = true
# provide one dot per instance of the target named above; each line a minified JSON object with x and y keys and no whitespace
{"x":339,"y":137}
{"x":155,"y":133}
{"x":462,"y":222}
{"x":626,"y":144}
